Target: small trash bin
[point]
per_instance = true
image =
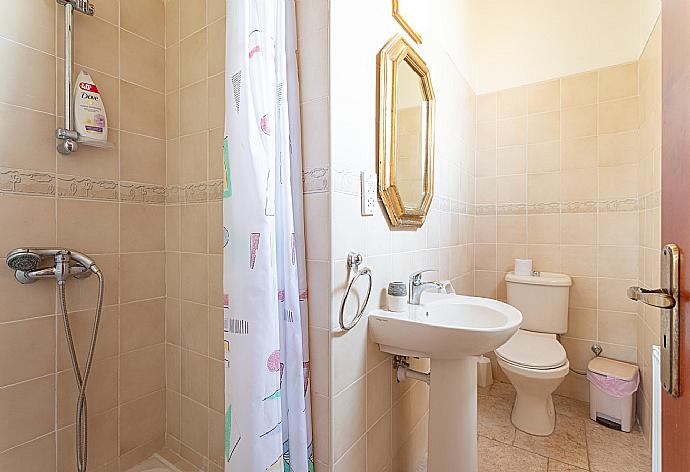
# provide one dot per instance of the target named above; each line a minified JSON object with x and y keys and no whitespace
{"x":612,"y":390}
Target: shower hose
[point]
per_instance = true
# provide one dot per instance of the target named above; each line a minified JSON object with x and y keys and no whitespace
{"x":81,"y":378}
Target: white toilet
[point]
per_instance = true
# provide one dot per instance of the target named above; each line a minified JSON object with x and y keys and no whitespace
{"x":533,"y":359}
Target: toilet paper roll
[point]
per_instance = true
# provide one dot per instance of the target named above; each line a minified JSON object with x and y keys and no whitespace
{"x":523,"y":266}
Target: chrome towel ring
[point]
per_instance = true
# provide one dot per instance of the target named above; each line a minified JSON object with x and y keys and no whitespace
{"x":354,"y":260}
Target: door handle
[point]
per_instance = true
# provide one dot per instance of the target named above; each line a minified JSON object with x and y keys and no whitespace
{"x":667,"y":298}
{"x":659,"y":298}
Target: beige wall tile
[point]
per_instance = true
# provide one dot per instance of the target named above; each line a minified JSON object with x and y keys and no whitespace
{"x":512,"y":102}
{"x":215,"y":9}
{"x":543,"y":157}
{"x":194,"y":108}
{"x":145,"y":18}
{"x":194,"y":327}
{"x":579,"y":153}
{"x":617,"y":182}
{"x":194,"y":278}
{"x":216,"y":101}
{"x":580,"y":90}
{"x":582,"y":323}
{"x":486,"y":108}
{"x":486,"y":163}
{"x":142,"y":62}
{"x":142,"y":159}
{"x":618,"y":116}
{"x":379,"y":444}
{"x":511,"y":229}
{"x":142,"y":372}
{"x":193,"y":57}
{"x":172,"y":22}
{"x":618,"y":228}
{"x":349,"y":417}
{"x":142,"y":285}
{"x":619,"y":81}
{"x":544,"y":127}
{"x":142,"y":324}
{"x":578,"y":122}
{"x":33,"y":455}
{"x":142,"y":110}
{"x":545,"y":96}
{"x":378,"y":392}
{"x":617,"y":328}
{"x":142,"y":421}
{"x":618,"y":149}
{"x":618,"y":261}
{"x":102,"y":218}
{"x":172,"y":68}
{"x":194,"y":376}
{"x":31,"y":82}
{"x":142,"y":227}
{"x":27,"y":221}
{"x":543,"y":188}
{"x":38,"y":13}
{"x":23,"y":359}
{"x":511,"y":189}
{"x":579,"y":260}
{"x":486,"y":135}
{"x":96,"y":44}
{"x":512,"y":131}
{"x":511,"y":160}
{"x":27,"y":411}
{"x":543,"y":229}
{"x":579,"y":228}
{"x":216,"y":46}
{"x":192,"y":16}
{"x":579,"y":185}
{"x":27,"y":138}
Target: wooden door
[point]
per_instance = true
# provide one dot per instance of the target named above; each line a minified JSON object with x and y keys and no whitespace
{"x":675,"y":213}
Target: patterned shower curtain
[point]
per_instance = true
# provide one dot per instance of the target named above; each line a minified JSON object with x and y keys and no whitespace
{"x":268,"y":417}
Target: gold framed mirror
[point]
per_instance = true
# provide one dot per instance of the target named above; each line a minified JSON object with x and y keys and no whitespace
{"x":405,"y":134}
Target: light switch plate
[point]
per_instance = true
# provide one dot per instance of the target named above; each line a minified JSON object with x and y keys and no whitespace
{"x":368,"y":180}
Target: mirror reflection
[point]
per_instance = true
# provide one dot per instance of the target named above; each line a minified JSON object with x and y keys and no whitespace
{"x":411,"y":111}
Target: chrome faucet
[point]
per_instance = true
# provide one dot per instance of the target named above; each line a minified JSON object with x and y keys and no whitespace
{"x":417,"y":287}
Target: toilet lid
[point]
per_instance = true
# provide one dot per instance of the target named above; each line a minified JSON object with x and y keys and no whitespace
{"x":533,"y":350}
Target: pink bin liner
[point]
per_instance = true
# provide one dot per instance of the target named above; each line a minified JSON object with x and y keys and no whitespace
{"x":613,"y":386}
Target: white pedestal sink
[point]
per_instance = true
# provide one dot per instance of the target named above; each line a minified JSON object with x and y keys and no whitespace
{"x":451,"y":330}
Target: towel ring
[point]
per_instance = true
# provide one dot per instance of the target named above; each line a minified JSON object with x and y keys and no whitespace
{"x":353,"y":262}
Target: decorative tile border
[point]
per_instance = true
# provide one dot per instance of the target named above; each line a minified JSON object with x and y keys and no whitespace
{"x":315,"y":180}
{"x":346,"y":181}
{"x":72,"y":186}
{"x":214,"y":190}
{"x":26,"y":182}
{"x":131,"y":192}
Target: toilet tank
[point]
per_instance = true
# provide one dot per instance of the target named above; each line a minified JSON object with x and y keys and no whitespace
{"x":542,"y":299}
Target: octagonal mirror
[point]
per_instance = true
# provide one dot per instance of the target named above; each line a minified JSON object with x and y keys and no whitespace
{"x":405,"y":134}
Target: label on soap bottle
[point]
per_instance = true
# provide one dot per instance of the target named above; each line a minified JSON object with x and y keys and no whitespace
{"x":90,"y":119}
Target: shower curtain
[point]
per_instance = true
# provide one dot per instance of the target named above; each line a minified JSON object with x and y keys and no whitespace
{"x":268,"y":417}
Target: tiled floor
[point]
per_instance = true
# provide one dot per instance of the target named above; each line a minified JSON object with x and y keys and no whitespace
{"x":164,"y":461}
{"x":577,"y":445}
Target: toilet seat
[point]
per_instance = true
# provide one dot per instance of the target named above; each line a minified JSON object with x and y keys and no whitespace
{"x":530,"y":350}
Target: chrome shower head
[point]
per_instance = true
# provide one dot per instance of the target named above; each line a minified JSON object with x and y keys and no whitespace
{"x":23,"y":260}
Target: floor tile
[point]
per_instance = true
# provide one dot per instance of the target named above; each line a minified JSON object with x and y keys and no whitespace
{"x":566,"y":444}
{"x":614,"y":451}
{"x":493,"y":419}
{"x":571,"y":407}
{"x":555,"y":466}
{"x":498,"y":457}
{"x":503,"y":390}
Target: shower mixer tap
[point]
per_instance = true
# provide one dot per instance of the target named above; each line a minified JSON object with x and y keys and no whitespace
{"x":26,"y":263}
{"x":66,"y":263}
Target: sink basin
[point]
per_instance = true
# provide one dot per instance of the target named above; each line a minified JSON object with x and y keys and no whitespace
{"x":452,"y":330}
{"x":445,"y":327}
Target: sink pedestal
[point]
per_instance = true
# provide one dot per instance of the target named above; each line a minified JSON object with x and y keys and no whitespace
{"x":453,"y":415}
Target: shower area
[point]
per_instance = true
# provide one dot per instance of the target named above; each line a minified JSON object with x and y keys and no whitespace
{"x":142,"y":213}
